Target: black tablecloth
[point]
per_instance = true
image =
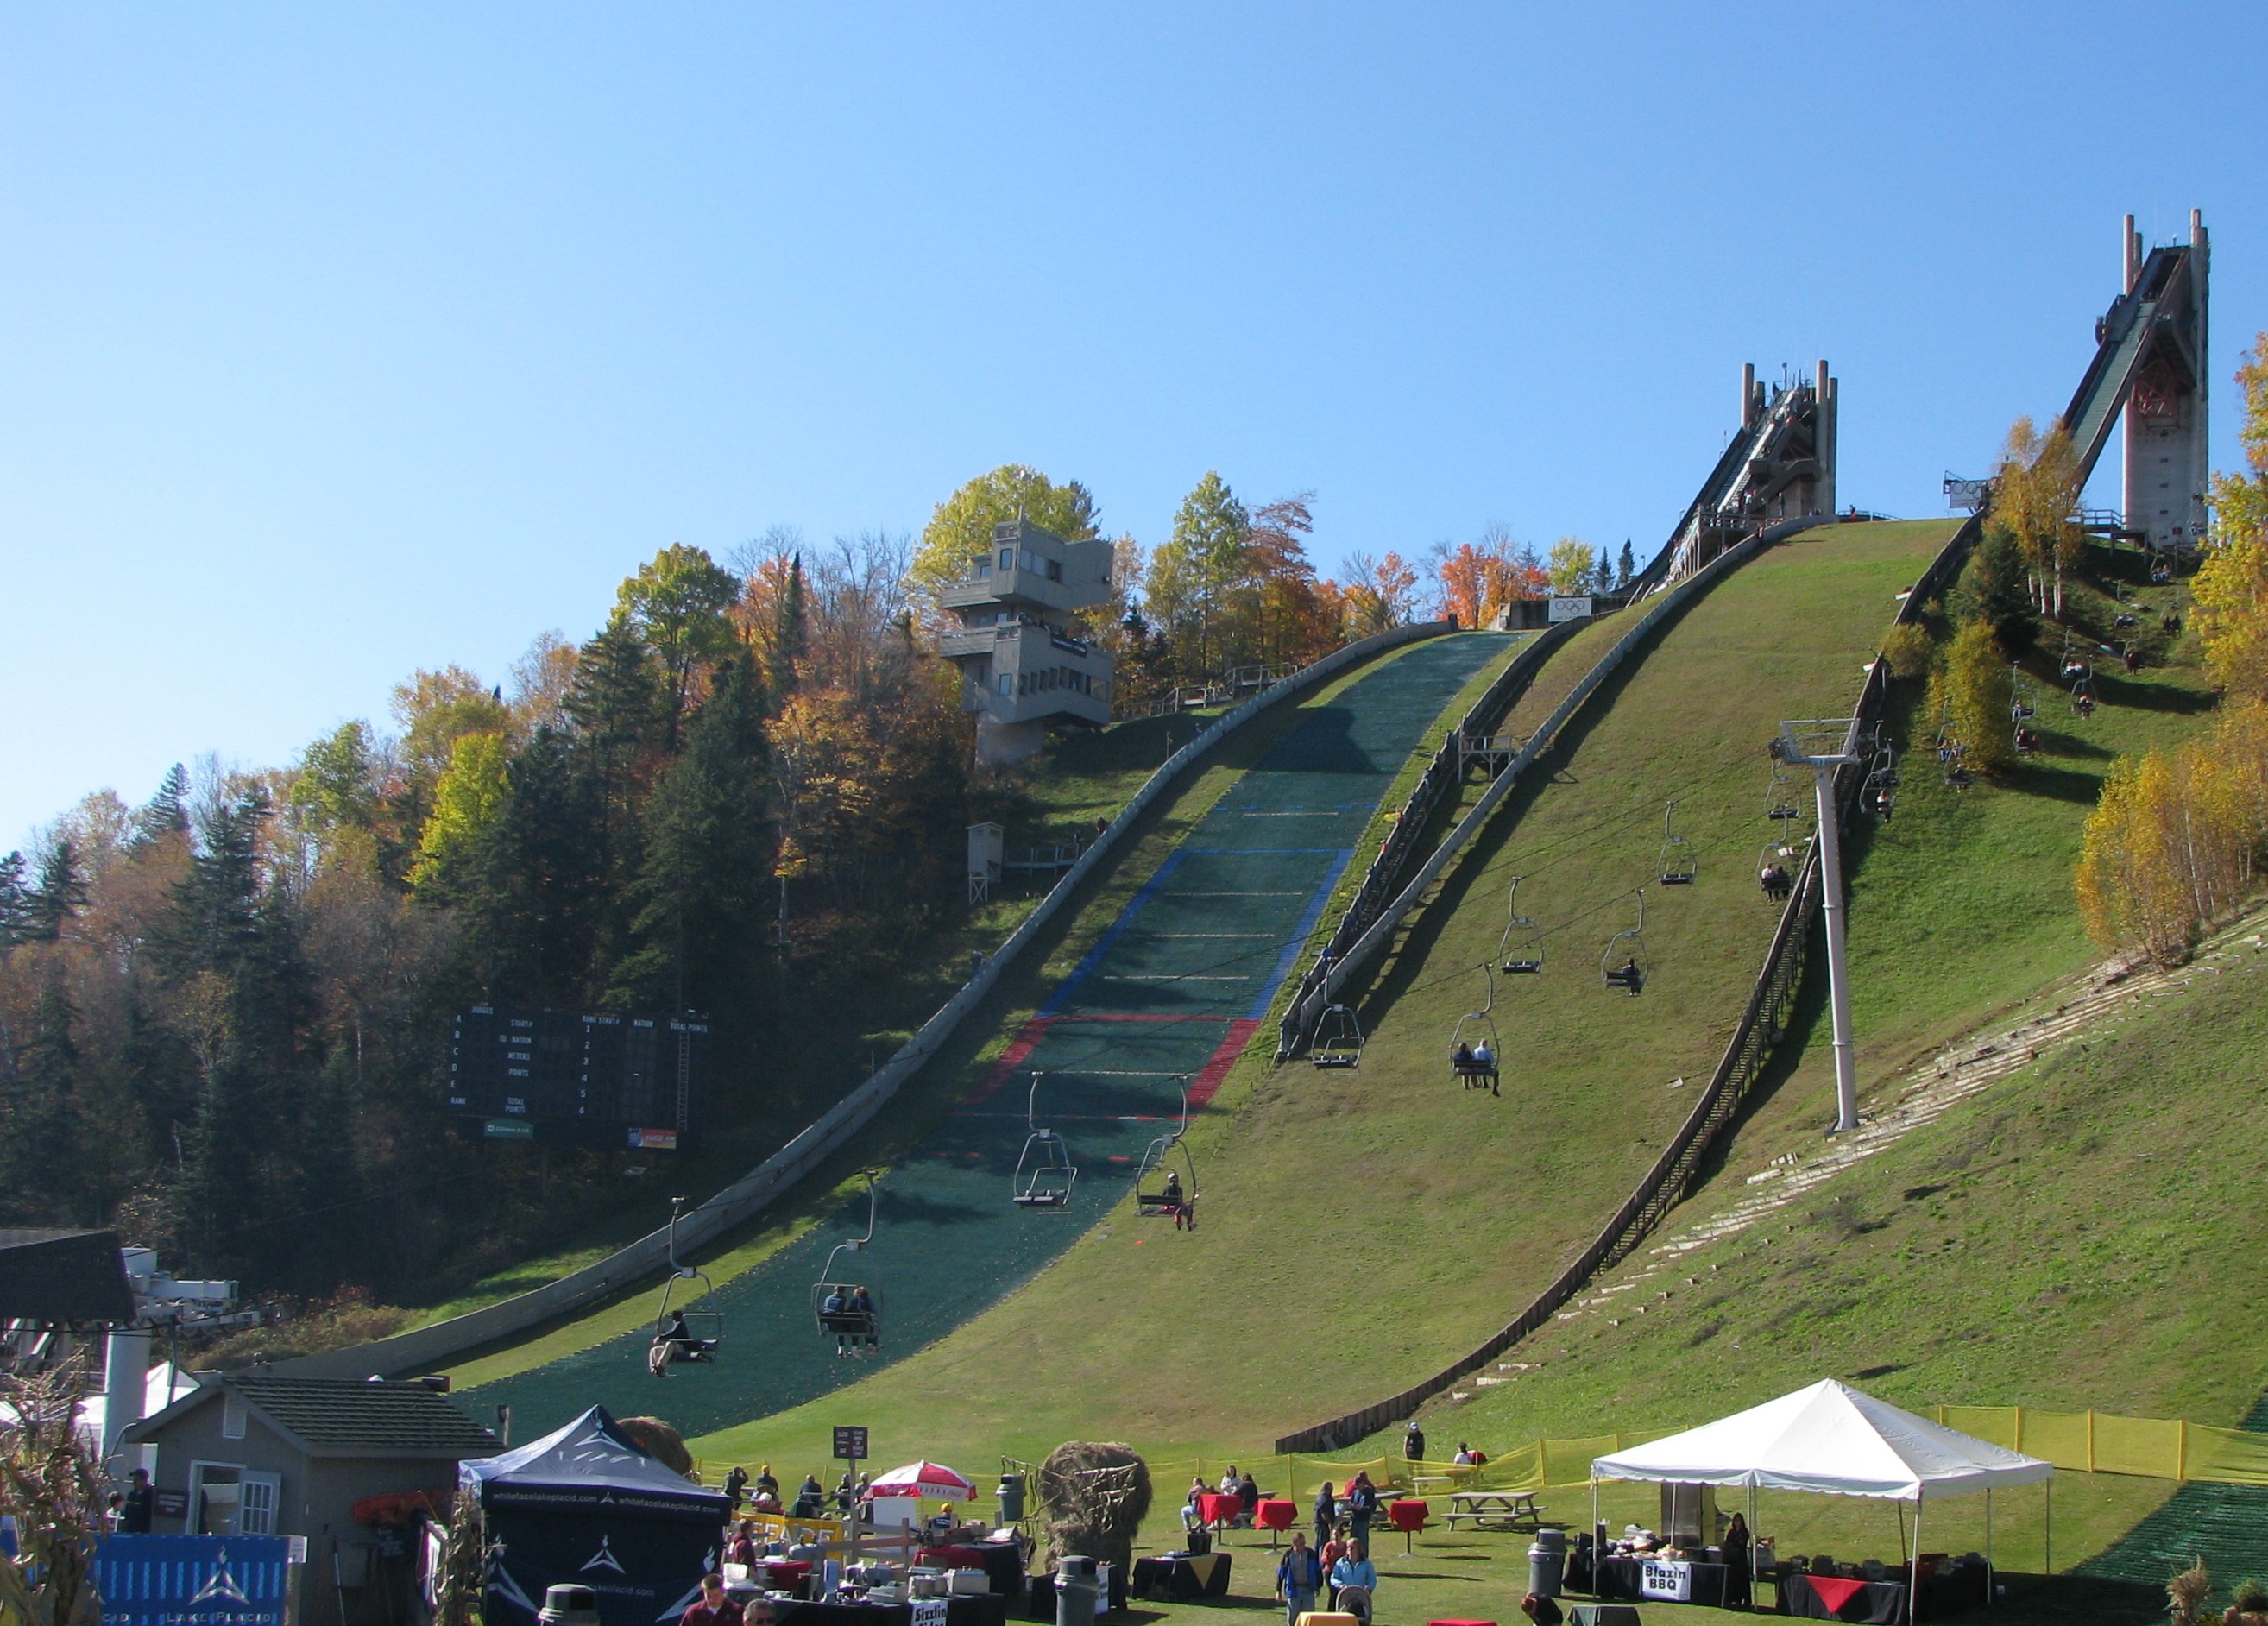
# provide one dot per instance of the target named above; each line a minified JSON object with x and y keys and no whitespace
{"x":1003,"y":1561}
{"x":973,"y":1610}
{"x":1040,"y":1599}
{"x":1181,"y":1580}
{"x":1948,"y":1592}
{"x":1619,"y":1578}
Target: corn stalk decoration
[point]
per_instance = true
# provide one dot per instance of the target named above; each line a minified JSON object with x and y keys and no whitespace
{"x":53,"y":1487}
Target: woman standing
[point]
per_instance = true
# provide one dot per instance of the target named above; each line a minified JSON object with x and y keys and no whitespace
{"x":1354,"y":1581}
{"x":1738,"y":1577}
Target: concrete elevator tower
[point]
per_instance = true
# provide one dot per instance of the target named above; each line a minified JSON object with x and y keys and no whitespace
{"x":2169,"y":470}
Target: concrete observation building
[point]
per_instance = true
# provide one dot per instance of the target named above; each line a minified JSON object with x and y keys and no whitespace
{"x":1022,"y":670}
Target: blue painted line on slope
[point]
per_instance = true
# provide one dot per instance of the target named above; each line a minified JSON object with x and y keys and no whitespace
{"x":1299,"y":934}
{"x":1093,"y":958}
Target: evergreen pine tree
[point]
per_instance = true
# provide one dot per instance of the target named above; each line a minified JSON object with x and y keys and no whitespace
{"x":535,"y":890}
{"x":327,"y":1181}
{"x":213,"y":920}
{"x":15,"y":901}
{"x":700,"y":884}
{"x":165,"y":813}
{"x":215,"y":1201}
{"x":790,"y":635}
{"x":1626,"y":567}
{"x":60,"y":894}
{"x":42,"y":1176}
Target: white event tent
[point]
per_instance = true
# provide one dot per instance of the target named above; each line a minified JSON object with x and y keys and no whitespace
{"x":1833,"y":1440}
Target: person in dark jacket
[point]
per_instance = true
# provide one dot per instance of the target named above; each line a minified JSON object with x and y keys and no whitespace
{"x":1327,"y":1513}
{"x":1362,"y":1507}
{"x":1738,"y":1574}
{"x":139,"y":1506}
{"x":1413,"y":1443}
{"x":1298,"y":1579}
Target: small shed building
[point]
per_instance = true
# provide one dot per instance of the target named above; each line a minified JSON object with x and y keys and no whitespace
{"x":292,"y":1456}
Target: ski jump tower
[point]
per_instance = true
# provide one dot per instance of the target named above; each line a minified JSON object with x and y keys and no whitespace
{"x":2150,"y":367}
{"x":2169,"y":470}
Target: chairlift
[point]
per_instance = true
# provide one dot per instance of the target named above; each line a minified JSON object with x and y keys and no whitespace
{"x":2082,"y":697}
{"x":684,"y":1337}
{"x":1625,"y":963}
{"x":1520,"y":953}
{"x":1673,"y":866}
{"x":1781,"y":800}
{"x":1170,"y":1195}
{"x":1338,"y":1041}
{"x":2160,"y":572}
{"x":1475,"y":1052}
{"x":1044,"y":1171}
{"x":2075,"y":666}
{"x":1776,"y":867}
{"x":850,"y":1313}
{"x":2022,"y":699}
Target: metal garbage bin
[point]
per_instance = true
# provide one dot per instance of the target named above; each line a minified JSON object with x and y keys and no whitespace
{"x":1547,"y":1564}
{"x":1012,"y":1498}
{"x":568,"y":1606}
{"x":1075,"y":1591}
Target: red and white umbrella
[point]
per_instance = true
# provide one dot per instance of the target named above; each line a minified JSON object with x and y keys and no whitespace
{"x":924,"y":1478}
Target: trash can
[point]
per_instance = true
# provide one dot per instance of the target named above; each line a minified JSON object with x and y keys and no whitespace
{"x":568,"y":1606}
{"x":1075,"y":1591}
{"x":1547,"y":1564}
{"x":1012,"y":1498}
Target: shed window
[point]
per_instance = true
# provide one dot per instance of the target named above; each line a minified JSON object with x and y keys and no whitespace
{"x":232,"y":1417}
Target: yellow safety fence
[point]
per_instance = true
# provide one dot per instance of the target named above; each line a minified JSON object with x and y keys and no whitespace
{"x":2091,"y":1442}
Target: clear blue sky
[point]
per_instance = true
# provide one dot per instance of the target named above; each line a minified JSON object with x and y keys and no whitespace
{"x":339,"y":341}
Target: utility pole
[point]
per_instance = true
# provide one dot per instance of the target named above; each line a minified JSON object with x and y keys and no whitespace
{"x":1824,"y":744}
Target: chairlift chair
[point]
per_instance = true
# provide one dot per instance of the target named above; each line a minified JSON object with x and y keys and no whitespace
{"x":834,"y":1302}
{"x":1626,"y":964}
{"x":2160,"y":572}
{"x":1520,"y":953}
{"x":1160,"y":1192}
{"x":2022,"y":700}
{"x":1044,"y":1171}
{"x":1673,"y":866}
{"x":1776,"y":867}
{"x":2082,"y":697}
{"x":1780,"y":798}
{"x":684,"y":1337}
{"x":1338,"y":1041}
{"x":1476,"y":1054}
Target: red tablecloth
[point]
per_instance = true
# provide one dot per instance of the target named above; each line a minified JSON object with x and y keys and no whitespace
{"x":788,"y":1574}
{"x":1277,"y":1514}
{"x":1834,"y":1591}
{"x":1215,"y":1509}
{"x":1408,"y":1517}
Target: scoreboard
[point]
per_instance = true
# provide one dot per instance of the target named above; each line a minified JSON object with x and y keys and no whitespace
{"x":574,"y":1079}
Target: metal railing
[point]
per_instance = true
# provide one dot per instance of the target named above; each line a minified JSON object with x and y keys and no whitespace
{"x":1761,"y":1027}
{"x":1383,"y":878}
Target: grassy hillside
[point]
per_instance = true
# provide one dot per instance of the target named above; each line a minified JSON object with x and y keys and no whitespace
{"x":1420,"y":675}
{"x":1360,"y":1228}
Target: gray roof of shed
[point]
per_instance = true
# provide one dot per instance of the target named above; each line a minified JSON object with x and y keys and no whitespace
{"x":338,"y":1418}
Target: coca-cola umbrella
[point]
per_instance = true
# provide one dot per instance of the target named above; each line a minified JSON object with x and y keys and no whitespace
{"x":924,"y":1478}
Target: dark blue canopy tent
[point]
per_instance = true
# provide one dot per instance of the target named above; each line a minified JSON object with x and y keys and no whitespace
{"x":585,"y":1505}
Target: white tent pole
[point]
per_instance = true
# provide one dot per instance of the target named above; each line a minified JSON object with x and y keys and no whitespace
{"x":1913,"y":1568}
{"x":1598,"y":1550}
{"x":1990,"y":1590}
{"x":2049,"y":1567}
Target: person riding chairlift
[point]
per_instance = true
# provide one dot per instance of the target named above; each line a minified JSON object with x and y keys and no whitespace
{"x":1626,"y":975}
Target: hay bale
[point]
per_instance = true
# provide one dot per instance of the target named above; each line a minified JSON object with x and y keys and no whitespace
{"x":664,"y":1443}
{"x":1094,"y":1496}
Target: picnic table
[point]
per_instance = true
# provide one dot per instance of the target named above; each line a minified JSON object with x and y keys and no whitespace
{"x":1495,"y":1510}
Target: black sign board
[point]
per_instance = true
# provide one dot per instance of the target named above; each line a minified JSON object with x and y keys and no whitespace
{"x":588,"y":1080}
{"x":850,"y":1444}
{"x":171,"y":1505}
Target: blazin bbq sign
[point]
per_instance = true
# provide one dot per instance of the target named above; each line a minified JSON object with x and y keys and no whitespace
{"x":193,"y":1580}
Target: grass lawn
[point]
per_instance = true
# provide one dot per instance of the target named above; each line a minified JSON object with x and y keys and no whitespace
{"x":1361,"y":1228}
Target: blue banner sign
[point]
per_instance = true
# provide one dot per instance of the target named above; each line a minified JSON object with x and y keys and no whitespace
{"x":193,"y":1580}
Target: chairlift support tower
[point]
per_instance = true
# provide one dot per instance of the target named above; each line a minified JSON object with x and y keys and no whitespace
{"x":1824,"y":744}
